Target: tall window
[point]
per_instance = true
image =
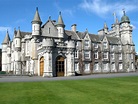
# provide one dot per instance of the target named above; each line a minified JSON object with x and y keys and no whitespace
{"x":105,"y":55}
{"x":105,"y":45}
{"x":105,"y":66}
{"x":120,"y":56}
{"x":112,"y":56}
{"x":49,"y":30}
{"x":96,"y":55}
{"x":113,"y":66}
{"x":86,"y":44}
{"x":120,"y":66}
{"x":132,"y":56}
{"x":132,"y":65}
{"x":96,"y":66}
{"x":87,"y":54}
{"x":76,"y":54}
{"x":87,"y":67}
{"x":76,"y":66}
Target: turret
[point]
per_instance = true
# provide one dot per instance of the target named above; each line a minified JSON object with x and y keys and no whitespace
{"x":105,"y":28}
{"x":36,"y":24}
{"x":126,"y":29}
{"x":5,"y":44}
{"x":17,"y":40}
{"x":60,"y":26}
{"x":117,"y":28}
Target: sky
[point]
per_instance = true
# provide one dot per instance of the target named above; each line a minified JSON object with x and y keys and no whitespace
{"x":87,"y":14}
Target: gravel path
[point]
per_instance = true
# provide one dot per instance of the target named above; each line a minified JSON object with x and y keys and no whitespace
{"x":37,"y":78}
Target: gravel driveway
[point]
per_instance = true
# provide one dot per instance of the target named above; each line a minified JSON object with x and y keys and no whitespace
{"x":37,"y":78}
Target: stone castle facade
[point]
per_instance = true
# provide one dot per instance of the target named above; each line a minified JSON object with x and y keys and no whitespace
{"x":51,"y":51}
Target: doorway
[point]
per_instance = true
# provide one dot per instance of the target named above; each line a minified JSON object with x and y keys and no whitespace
{"x":59,"y":66}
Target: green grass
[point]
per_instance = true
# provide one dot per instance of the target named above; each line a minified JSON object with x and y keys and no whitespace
{"x":93,"y":91}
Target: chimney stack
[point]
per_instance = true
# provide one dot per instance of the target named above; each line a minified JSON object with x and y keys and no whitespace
{"x":73,"y":27}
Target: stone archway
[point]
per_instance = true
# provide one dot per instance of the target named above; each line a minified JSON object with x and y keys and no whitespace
{"x":41,"y":66}
{"x":60,"y":66}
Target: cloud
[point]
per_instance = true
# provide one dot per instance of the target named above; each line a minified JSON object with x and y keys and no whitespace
{"x":65,"y":11}
{"x":133,"y":26}
{"x":4,"y":29}
{"x":106,"y":7}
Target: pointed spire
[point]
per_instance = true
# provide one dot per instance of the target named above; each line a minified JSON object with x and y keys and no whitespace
{"x":18,"y":33}
{"x":60,"y":20}
{"x":7,"y":38}
{"x":117,"y":21}
{"x":37,"y":17}
{"x":105,"y":25}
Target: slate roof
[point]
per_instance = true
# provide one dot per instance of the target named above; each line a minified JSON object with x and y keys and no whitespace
{"x":6,"y":39}
{"x":72,"y":34}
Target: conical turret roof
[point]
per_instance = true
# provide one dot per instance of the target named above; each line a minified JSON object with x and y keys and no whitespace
{"x":60,"y":20}
{"x":37,"y":17}
{"x":7,"y":38}
{"x":18,"y":34}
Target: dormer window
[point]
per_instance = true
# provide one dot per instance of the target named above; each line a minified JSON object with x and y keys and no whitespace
{"x":95,"y":45}
{"x":86,"y":43}
{"x":105,"y":45}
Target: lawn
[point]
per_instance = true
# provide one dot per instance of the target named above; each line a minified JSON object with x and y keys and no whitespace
{"x":92,"y":91}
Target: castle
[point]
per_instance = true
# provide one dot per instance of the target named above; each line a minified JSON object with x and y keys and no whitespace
{"x":51,"y":51}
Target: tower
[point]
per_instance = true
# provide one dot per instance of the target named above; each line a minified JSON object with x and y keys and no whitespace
{"x":60,"y":26}
{"x":4,"y":52}
{"x":36,"y":24}
{"x":17,"y":53}
{"x":126,"y":39}
{"x":105,"y":28}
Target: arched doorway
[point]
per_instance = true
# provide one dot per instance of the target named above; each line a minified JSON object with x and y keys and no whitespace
{"x":41,"y":66}
{"x":59,"y":66}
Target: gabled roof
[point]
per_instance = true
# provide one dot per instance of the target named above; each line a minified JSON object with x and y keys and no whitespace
{"x":113,"y":40}
{"x":72,"y":34}
{"x":6,"y":39}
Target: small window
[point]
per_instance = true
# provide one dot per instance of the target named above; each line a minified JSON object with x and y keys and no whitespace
{"x":49,"y":30}
{"x":96,"y":55}
{"x":105,"y":55}
{"x":112,"y":55}
{"x":87,"y":54}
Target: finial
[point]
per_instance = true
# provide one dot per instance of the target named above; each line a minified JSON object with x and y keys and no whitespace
{"x":19,"y":27}
{"x":37,"y":8}
{"x":124,"y":12}
{"x":49,"y":17}
{"x":7,"y":31}
{"x":60,"y":13}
